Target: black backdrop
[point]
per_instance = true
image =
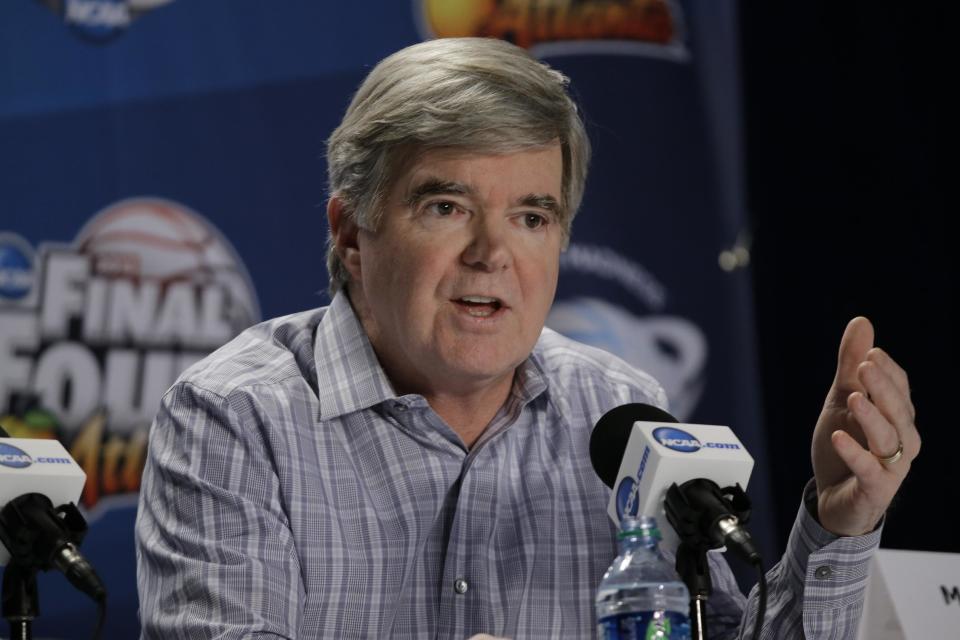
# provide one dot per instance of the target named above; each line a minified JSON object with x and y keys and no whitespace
{"x":848,"y":199}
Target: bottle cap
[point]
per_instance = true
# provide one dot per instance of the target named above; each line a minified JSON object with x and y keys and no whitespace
{"x":642,"y":526}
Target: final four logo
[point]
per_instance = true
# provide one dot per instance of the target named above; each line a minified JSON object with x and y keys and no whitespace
{"x":653,"y":27}
{"x":93,"y":333}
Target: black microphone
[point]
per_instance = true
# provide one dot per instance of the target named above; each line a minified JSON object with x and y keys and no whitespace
{"x":33,"y":530}
{"x":38,"y":535}
{"x":610,"y":436}
{"x":698,"y":509}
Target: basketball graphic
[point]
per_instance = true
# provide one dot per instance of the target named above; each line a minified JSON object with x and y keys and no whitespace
{"x":161,"y":241}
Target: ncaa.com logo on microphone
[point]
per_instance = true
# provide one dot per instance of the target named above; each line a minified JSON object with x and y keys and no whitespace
{"x":14,"y":457}
{"x":679,"y":440}
{"x":627,"y":503}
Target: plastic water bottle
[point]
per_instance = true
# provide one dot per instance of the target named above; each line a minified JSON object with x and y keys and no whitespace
{"x":641,"y":597}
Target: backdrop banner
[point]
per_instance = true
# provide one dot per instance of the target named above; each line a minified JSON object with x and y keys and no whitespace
{"x":162,"y":187}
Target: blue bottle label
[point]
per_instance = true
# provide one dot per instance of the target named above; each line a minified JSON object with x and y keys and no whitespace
{"x":644,"y":625}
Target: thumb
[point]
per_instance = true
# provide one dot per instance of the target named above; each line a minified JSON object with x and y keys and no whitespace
{"x":856,"y":342}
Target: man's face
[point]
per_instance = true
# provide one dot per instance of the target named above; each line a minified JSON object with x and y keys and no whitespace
{"x":456,"y":283}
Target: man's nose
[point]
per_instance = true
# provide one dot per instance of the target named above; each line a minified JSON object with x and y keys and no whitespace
{"x":487,"y":250}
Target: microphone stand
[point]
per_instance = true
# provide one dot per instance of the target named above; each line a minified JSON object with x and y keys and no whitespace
{"x":694,"y":570}
{"x":20,"y":601}
{"x":33,"y":531}
{"x":694,"y":523}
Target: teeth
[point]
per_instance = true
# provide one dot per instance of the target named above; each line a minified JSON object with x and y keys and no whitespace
{"x":485,"y":306}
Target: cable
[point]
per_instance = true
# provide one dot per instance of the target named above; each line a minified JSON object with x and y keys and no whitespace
{"x":101,"y":618}
{"x":762,"y":603}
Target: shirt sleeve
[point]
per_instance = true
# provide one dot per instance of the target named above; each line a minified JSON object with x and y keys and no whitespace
{"x":817,"y":589}
{"x":215,"y":556}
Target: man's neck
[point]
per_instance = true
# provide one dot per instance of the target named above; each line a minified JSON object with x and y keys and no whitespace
{"x":467,"y":406}
{"x":470,"y":415}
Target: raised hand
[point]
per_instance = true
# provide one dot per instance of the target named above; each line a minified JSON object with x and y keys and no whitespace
{"x":865,"y":438}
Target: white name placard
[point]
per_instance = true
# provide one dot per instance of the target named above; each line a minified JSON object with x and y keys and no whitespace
{"x":912,"y":595}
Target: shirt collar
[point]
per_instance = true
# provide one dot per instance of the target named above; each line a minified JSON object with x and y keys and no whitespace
{"x":531,"y":379}
{"x":349,"y":376}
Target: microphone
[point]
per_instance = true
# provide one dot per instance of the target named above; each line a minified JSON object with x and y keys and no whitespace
{"x":35,"y":475}
{"x":659,"y":467}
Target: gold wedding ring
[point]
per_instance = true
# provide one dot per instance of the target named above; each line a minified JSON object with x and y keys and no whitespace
{"x":894,"y":457}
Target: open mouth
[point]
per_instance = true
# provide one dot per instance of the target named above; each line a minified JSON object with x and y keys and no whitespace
{"x":479,"y":306}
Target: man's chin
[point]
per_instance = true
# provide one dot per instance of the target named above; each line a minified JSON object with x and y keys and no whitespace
{"x":477,"y":369}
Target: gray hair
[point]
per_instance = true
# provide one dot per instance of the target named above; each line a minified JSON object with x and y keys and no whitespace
{"x":477,"y":94}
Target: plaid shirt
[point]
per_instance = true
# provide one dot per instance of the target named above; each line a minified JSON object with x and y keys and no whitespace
{"x":291,"y":493}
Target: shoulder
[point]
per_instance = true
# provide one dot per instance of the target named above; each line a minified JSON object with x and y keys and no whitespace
{"x":573,"y":366}
{"x":267,"y":353}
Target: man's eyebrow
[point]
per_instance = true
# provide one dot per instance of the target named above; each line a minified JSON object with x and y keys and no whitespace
{"x":437,"y":186}
{"x":541,"y":201}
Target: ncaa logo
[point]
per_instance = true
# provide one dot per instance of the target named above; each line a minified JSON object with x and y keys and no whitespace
{"x":627,"y":498}
{"x":16,"y":267}
{"x":100,"y":21}
{"x":676,"y":439}
{"x":13,"y":457}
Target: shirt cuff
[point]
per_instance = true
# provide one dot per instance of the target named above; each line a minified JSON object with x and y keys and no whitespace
{"x":829,"y":570}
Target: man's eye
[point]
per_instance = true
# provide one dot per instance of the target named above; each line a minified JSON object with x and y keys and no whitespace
{"x":533,"y":220}
{"x":442,"y":208}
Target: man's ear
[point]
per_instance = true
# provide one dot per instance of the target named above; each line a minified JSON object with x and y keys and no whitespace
{"x":344,"y":230}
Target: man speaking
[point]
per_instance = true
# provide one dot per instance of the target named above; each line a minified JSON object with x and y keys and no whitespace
{"x":412,"y":461}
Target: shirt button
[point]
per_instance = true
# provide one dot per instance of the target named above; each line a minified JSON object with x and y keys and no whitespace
{"x":823,"y":572}
{"x":460,"y":586}
{"x":400,"y":407}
